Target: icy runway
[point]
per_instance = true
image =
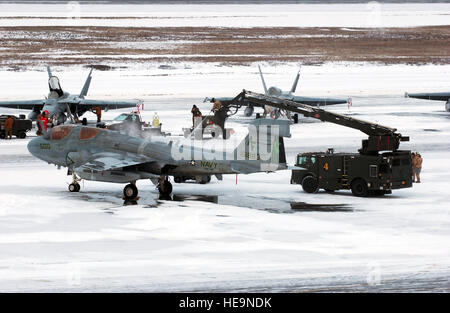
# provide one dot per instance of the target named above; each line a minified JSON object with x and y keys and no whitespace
{"x":245,"y":236}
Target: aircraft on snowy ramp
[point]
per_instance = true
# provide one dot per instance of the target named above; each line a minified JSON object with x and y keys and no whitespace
{"x":438,"y":96}
{"x":285,"y":95}
{"x":60,"y":103}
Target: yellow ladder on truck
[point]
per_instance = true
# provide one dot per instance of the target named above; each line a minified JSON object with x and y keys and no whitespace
{"x":344,"y":180}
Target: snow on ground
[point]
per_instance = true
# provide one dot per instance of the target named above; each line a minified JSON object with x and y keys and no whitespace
{"x":52,"y":240}
{"x":371,"y":14}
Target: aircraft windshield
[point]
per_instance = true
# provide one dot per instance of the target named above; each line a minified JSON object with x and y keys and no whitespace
{"x":60,"y":132}
{"x":54,"y":83}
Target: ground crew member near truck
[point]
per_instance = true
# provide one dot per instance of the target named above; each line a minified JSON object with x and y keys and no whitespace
{"x":195,"y":114}
{"x":217,"y":105}
{"x":417,"y":167}
{"x":98,"y":112}
{"x":8,"y":127}
{"x":413,"y":160}
{"x":155,"y":121}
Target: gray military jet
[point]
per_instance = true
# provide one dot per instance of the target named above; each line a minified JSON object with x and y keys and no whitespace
{"x":109,"y":156}
{"x":439,"y":96}
{"x":286,"y":95}
{"x":59,"y":104}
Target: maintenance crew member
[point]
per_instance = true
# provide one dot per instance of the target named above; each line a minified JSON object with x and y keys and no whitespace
{"x":155,"y":122}
{"x":8,"y":127}
{"x":418,"y":167}
{"x":217,"y":105}
{"x":195,"y":114}
{"x":98,"y":112}
{"x":44,"y":119}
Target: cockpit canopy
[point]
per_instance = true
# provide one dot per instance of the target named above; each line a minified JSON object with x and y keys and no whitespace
{"x":60,"y":132}
{"x":54,"y":84}
{"x":274,"y":91}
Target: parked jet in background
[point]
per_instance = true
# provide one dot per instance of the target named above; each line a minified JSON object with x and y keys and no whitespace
{"x":287,"y":95}
{"x":439,"y":96}
{"x":59,"y":103}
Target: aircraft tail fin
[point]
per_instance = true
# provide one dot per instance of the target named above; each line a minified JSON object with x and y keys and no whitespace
{"x":262,"y":79}
{"x":87,"y":83}
{"x":294,"y":86}
{"x":49,"y":71}
{"x":262,"y":150}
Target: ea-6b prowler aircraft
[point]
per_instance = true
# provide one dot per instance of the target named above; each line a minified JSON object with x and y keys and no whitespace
{"x":285,"y":95}
{"x":60,"y":103}
{"x":109,"y":156}
{"x":439,"y":96}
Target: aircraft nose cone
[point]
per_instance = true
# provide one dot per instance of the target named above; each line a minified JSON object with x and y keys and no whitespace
{"x":34,"y":147}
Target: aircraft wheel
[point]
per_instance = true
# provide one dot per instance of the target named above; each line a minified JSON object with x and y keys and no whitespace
{"x":165,"y":188}
{"x":130,"y":192}
{"x":310,"y":184}
{"x":359,"y":188}
{"x":74,"y":187}
{"x":178,"y":179}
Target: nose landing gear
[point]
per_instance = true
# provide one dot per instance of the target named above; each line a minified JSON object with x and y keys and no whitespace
{"x":75,"y":186}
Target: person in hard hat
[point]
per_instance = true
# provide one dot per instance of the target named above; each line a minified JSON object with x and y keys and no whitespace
{"x":8,"y":127}
{"x":155,"y":122}
{"x":417,"y":167}
{"x":196,"y":115}
{"x":217,"y":105}
{"x":44,"y":119}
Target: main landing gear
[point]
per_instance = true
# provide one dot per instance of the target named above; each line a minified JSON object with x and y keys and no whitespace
{"x":130,"y":192}
{"x":164,"y":186}
{"x":75,"y":186}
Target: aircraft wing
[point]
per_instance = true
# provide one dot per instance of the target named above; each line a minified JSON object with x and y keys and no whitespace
{"x":24,"y":105}
{"x":106,"y":105}
{"x":442,"y":96}
{"x":111,"y":161}
{"x":319,"y":101}
{"x":221,"y":99}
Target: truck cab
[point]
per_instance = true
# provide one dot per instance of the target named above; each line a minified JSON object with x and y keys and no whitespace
{"x":362,"y":174}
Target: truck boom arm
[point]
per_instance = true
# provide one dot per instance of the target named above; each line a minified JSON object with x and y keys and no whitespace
{"x":380,"y":137}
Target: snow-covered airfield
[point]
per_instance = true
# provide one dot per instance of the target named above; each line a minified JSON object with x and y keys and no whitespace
{"x":251,"y":239}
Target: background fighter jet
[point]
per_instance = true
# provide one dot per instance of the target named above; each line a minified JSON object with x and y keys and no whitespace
{"x":60,"y":103}
{"x":287,"y":95}
{"x":440,"y":96}
{"x":109,"y":156}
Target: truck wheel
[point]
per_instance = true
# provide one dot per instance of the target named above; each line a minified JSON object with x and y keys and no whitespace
{"x":21,"y":135}
{"x":310,"y":184}
{"x":359,"y":188}
{"x":2,"y":134}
